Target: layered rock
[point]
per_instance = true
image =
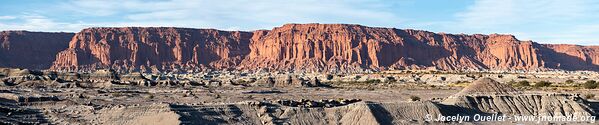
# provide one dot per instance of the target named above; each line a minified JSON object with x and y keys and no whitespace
{"x":487,"y":86}
{"x":314,"y":47}
{"x":155,"y":114}
{"x":32,"y":50}
{"x":571,"y":57}
{"x":349,"y":47}
{"x":488,"y":96}
{"x":13,"y":114}
{"x":274,"y":114}
{"x":153,"y":48}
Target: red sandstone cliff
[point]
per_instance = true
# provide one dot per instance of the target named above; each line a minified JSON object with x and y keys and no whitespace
{"x":571,"y":57}
{"x":314,"y":47}
{"x":32,"y":50}
{"x":354,"y":47}
{"x":153,"y":48}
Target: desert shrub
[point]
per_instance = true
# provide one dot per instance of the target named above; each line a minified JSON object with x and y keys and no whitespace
{"x":329,"y":76}
{"x":459,"y":84}
{"x":150,"y":96}
{"x":523,"y":83}
{"x":373,"y":81}
{"x":414,"y":98}
{"x":591,"y":84}
{"x":391,"y":79}
{"x":117,"y":94}
{"x":242,"y":82}
{"x":543,"y":84}
{"x":569,"y":81}
{"x":589,"y":96}
{"x":512,"y":82}
{"x":357,"y":77}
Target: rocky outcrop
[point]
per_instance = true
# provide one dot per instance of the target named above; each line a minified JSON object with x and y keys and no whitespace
{"x":13,"y":114}
{"x":571,"y":57}
{"x":274,"y":114}
{"x":354,"y":47}
{"x":312,"y":47}
{"x":155,"y":114}
{"x":487,"y":86}
{"x":32,"y":50}
{"x":488,"y":96}
{"x":153,"y":49}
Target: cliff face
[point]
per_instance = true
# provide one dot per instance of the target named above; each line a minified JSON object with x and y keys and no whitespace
{"x":314,"y":47}
{"x":318,"y":47}
{"x":571,"y":57}
{"x":32,"y":50}
{"x":354,"y":47}
{"x":153,"y":48}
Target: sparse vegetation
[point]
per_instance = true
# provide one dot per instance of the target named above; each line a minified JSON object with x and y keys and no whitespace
{"x":543,"y":84}
{"x":414,"y":98}
{"x":522,"y":83}
{"x":589,"y":96}
{"x":459,"y":84}
{"x":370,"y":81}
{"x":357,"y":77}
{"x":329,"y":76}
{"x":391,"y":79}
{"x":117,"y":94}
{"x":569,"y":81}
{"x":241,"y":82}
{"x":150,"y":96}
{"x":591,"y":84}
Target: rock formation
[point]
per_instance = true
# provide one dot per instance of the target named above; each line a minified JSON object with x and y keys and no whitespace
{"x":156,"y":114}
{"x":571,"y":57}
{"x":32,"y":50}
{"x":351,"y":47}
{"x":153,"y":49}
{"x":298,"y":47}
{"x":488,"y":96}
{"x":12,"y":114}
{"x":487,"y":86}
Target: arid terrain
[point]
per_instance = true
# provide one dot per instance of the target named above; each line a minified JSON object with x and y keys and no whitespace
{"x":293,"y":74}
{"x":105,"y":97}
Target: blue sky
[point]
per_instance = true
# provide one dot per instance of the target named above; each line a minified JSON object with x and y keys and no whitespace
{"x":543,"y":21}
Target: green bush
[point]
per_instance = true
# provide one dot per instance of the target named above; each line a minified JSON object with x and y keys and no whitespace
{"x":543,"y":84}
{"x":591,"y":84}
{"x":569,"y":81}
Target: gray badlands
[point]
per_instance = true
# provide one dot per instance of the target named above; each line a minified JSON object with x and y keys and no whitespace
{"x":296,"y":74}
{"x":230,"y":97}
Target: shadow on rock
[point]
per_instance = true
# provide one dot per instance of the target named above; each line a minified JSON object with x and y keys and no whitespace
{"x":207,"y":115}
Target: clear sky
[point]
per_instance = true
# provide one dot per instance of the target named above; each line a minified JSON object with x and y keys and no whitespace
{"x":543,"y":21}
